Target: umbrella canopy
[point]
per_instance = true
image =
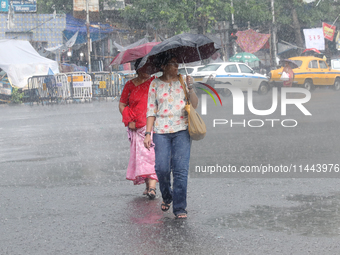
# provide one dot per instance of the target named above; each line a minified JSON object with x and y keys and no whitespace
{"x":292,"y":63}
{"x":185,"y":47}
{"x":243,"y":57}
{"x":133,"y":53}
{"x":312,"y":49}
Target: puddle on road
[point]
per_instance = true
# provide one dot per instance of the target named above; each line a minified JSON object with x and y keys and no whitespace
{"x":144,"y":211}
{"x":315,"y":216}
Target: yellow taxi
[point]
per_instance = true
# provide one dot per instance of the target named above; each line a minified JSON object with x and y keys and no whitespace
{"x":310,"y":73}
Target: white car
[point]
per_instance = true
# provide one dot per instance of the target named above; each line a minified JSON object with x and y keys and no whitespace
{"x":190,"y":69}
{"x":232,"y":73}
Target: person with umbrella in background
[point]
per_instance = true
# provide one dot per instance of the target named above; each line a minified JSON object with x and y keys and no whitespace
{"x":287,"y":68}
{"x":133,"y":107}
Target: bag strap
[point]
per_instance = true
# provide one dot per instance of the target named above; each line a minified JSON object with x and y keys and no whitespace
{"x":184,"y":88}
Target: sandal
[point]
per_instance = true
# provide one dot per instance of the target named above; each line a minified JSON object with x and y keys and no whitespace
{"x":181,"y":216}
{"x":165,"y":207}
{"x":145,"y":192}
{"x":151,"y":195}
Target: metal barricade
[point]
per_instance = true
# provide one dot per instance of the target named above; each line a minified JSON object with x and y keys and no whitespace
{"x":119,"y":80}
{"x":116,"y":81}
{"x":41,"y":89}
{"x":80,"y":84}
{"x":102,"y":84}
{"x":63,"y":86}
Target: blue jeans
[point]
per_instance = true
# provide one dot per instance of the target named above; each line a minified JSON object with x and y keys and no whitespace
{"x":172,"y":152}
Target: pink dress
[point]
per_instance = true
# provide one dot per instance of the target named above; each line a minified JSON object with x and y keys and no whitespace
{"x":142,"y":161}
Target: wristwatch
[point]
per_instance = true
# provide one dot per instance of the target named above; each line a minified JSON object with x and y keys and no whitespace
{"x":147,"y":133}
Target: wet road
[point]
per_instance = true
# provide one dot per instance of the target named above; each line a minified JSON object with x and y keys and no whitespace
{"x":63,"y":187}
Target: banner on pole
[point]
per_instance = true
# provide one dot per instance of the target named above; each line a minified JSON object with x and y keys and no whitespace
{"x":328,"y":31}
{"x":314,"y":38}
{"x":337,"y":41}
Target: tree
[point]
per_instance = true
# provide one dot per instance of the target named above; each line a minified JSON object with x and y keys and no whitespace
{"x":46,"y":6}
{"x":175,"y":16}
{"x":207,"y":12}
{"x":169,"y":17}
{"x":257,"y":12}
{"x":166,"y":15}
{"x":63,"y":6}
{"x":294,"y":15}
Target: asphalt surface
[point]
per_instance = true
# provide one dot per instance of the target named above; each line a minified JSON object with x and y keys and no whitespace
{"x":63,"y":187}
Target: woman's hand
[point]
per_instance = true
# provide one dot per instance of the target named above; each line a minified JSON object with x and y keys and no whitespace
{"x":147,"y":141}
{"x":132,"y":125}
{"x":189,"y":81}
{"x":192,"y":95}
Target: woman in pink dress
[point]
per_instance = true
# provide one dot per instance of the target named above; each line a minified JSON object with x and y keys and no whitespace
{"x":133,"y":107}
{"x":287,"y":68}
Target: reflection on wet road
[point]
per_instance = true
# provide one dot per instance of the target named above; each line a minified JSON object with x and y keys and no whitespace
{"x":63,"y":187}
{"x":314,"y":216}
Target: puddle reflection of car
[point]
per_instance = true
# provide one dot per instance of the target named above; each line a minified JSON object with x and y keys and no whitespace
{"x":235,"y":74}
{"x":311,"y":72}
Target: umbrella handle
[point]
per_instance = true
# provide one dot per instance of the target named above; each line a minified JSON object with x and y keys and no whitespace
{"x":186,"y":71}
{"x":199,"y":54}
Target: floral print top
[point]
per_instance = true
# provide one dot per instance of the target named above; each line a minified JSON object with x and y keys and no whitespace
{"x":166,"y":102}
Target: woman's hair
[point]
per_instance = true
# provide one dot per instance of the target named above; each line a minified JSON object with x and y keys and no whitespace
{"x":137,"y":63}
{"x":163,"y":59}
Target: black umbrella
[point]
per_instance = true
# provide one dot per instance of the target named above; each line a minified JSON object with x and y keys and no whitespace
{"x":185,"y":47}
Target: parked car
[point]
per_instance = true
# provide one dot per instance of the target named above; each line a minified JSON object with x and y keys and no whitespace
{"x":190,"y":69}
{"x":232,"y":73}
{"x":335,"y":64}
{"x":311,"y":72}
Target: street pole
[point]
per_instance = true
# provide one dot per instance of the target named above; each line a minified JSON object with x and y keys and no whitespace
{"x":233,"y":26}
{"x":226,"y":40}
{"x":88,"y":35}
{"x":222,"y":44}
{"x":274,"y":34}
{"x":232,"y":14}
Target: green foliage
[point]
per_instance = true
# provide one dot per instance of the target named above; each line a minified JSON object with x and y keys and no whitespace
{"x":309,"y":15}
{"x":165,"y":15}
{"x":257,"y":12}
{"x":16,"y":96}
{"x":61,"y":6}
{"x":175,"y":16}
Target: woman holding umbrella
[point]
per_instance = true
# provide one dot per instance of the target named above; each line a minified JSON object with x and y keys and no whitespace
{"x":167,"y":117}
{"x":288,"y":69}
{"x":133,"y":106}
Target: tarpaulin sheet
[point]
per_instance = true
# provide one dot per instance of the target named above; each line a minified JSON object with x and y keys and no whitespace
{"x":251,"y":41}
{"x":281,"y":48}
{"x":97,"y":31}
{"x":21,"y":61}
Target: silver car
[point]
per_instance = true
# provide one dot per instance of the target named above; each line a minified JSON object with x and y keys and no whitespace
{"x":232,"y":73}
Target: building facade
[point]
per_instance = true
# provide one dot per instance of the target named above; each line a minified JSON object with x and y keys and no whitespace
{"x":41,"y":30}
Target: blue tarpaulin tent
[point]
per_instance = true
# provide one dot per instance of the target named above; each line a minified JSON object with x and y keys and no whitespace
{"x":97,"y":31}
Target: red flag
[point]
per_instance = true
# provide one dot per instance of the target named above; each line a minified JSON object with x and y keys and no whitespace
{"x":328,"y":31}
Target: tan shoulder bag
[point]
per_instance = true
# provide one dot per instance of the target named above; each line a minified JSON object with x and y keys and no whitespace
{"x":197,"y":128}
